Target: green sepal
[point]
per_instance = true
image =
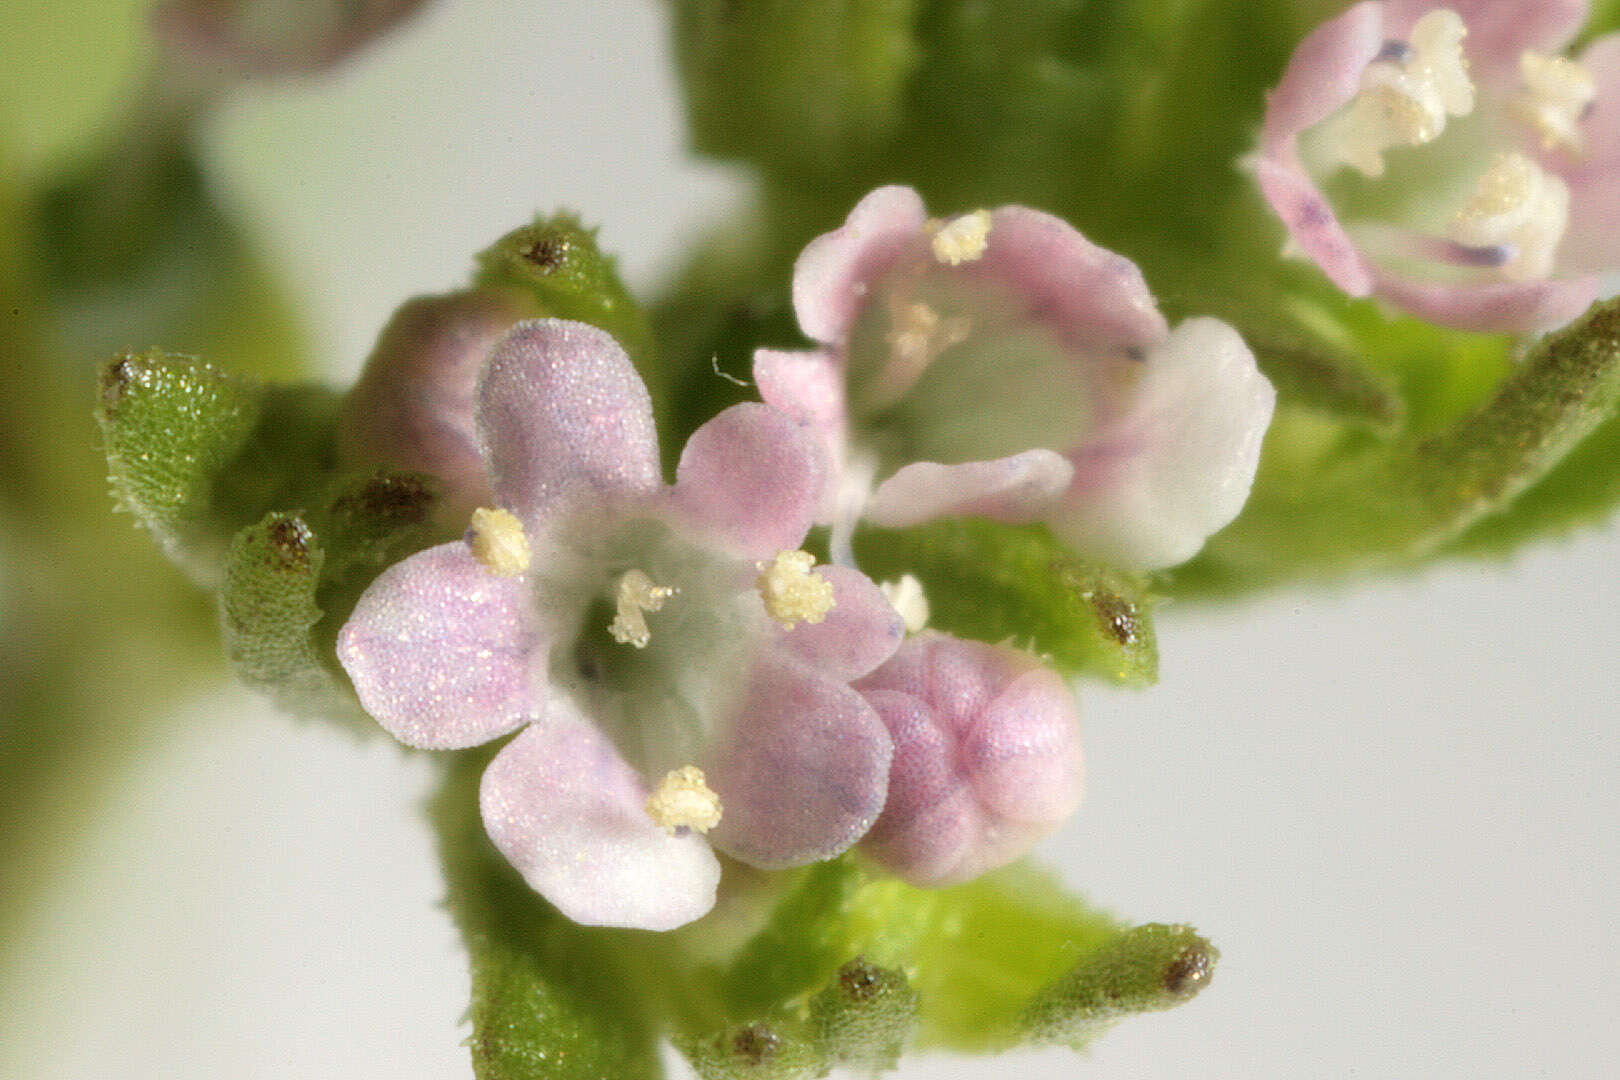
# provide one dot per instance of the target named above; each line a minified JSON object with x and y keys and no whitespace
{"x":1393,"y":503}
{"x":1145,"y":969}
{"x":782,"y":1048}
{"x":556,"y":261}
{"x":1338,"y":386}
{"x":795,"y":87}
{"x":170,"y":425}
{"x":291,"y":581}
{"x":860,"y":1020}
{"x":994,"y":582}
{"x":854,"y":965}
{"x":268,"y":614}
{"x":549,"y":998}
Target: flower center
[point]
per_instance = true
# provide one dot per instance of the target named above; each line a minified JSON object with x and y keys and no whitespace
{"x":636,"y":595}
{"x":1508,"y":221}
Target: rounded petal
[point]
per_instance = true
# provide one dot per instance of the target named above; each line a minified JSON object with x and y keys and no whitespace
{"x":1017,"y":488}
{"x":1592,"y":241}
{"x":1093,"y":298}
{"x":566,"y":811}
{"x":986,"y":758}
{"x":807,"y":385}
{"x":803,"y":771}
{"x":1178,"y":463}
{"x":1507,"y":306}
{"x":560,"y":409}
{"x":753,"y":478}
{"x":1322,"y":76}
{"x":442,"y":652}
{"x":859,"y":633}
{"x":834,"y":272}
{"x":412,"y":408}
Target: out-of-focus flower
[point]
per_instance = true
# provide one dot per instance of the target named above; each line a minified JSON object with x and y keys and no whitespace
{"x":272,"y":37}
{"x":1000,"y":364}
{"x":412,"y":408}
{"x":986,"y":757}
{"x":680,"y":668}
{"x":1449,"y":159}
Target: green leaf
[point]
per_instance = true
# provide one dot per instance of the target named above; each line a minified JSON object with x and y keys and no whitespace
{"x":798,"y":87}
{"x":996,"y":582}
{"x":171,"y":424}
{"x":1382,"y":504}
{"x":268,"y":614}
{"x":549,"y":1000}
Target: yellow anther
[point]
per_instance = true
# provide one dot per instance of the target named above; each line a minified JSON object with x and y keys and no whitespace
{"x":1556,"y":94}
{"x":792,"y":593}
{"x":1405,"y":101}
{"x":1518,"y":204}
{"x":498,"y":542}
{"x":962,"y":239}
{"x":909,"y":601}
{"x":636,"y":595}
{"x":684,"y":800}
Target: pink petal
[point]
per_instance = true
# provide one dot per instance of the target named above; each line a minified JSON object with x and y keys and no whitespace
{"x":1322,"y":76}
{"x":562,"y":411}
{"x":1498,"y":30}
{"x":1178,"y":465}
{"x":566,"y":811}
{"x":753,"y":479}
{"x":1311,"y":223}
{"x":836,"y":270}
{"x":987,"y":758}
{"x":929,"y":825}
{"x":803,"y":772}
{"x":412,"y":408}
{"x":809,"y":387}
{"x":859,"y":633}
{"x":1017,"y":488}
{"x":442,"y":652}
{"x":1592,"y":242}
{"x":1507,"y":306}
{"x":1093,"y":298}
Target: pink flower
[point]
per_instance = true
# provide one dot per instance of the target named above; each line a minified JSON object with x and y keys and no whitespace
{"x":1488,"y":194}
{"x":412,"y":408}
{"x":679,"y":668}
{"x":270,"y":37}
{"x":1002,"y":365}
{"x":986,"y":757}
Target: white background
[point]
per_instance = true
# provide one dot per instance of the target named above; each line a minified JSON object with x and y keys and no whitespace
{"x":1393,"y":805}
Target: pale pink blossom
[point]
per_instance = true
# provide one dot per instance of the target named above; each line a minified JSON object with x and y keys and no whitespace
{"x":1450,"y":159}
{"x":1002,"y":365}
{"x":676,"y":669}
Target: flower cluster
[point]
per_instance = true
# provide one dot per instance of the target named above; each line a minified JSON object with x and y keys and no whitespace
{"x":683,"y":676}
{"x":1450,"y":159}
